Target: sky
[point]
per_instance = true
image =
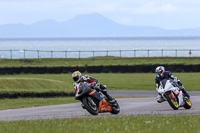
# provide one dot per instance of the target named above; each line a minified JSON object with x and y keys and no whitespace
{"x":167,"y":14}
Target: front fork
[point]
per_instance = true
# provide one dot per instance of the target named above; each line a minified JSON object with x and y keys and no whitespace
{"x":172,"y":95}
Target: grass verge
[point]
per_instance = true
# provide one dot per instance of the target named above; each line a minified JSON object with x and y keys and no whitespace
{"x":120,"y":124}
{"x":97,"y":61}
{"x":34,"y":102}
{"x":32,"y":85}
{"x":114,"y":81}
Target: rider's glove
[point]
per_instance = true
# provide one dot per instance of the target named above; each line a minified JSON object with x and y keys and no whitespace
{"x":176,"y":79}
{"x":97,"y":87}
{"x":93,"y":83}
{"x":179,"y":83}
{"x":174,"y":83}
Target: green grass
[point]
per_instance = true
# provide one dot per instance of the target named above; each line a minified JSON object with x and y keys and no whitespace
{"x":31,"y":85}
{"x":33,"y":102}
{"x":98,"y":61}
{"x":114,"y":81}
{"x":120,"y":124}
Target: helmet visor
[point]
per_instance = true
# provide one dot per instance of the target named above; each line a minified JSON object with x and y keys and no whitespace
{"x":158,"y":73}
{"x":75,"y":78}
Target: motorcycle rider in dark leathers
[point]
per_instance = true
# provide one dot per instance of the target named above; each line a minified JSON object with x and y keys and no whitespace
{"x":162,"y":74}
{"x":77,"y":77}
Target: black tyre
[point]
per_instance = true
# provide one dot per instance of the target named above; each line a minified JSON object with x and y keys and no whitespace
{"x":92,"y":109}
{"x":188,"y":103}
{"x":115,"y":108}
{"x":172,"y":102}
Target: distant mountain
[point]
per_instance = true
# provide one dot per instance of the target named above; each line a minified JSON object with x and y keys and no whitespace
{"x":92,"y":25}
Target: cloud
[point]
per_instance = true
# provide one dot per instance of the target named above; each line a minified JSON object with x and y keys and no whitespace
{"x":122,"y":11}
{"x":152,"y":9}
{"x":80,"y":6}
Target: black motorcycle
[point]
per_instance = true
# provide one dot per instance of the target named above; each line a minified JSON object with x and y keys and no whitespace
{"x":94,"y":101}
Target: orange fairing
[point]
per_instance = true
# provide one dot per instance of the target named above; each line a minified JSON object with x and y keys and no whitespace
{"x":103,"y":106}
{"x":92,"y":92}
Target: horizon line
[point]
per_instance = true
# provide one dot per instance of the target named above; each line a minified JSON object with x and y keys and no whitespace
{"x":99,"y":38}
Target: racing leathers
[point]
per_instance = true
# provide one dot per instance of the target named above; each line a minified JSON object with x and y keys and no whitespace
{"x":168,"y":75}
{"x":93,"y":82}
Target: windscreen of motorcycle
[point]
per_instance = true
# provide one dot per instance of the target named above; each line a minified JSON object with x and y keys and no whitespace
{"x":81,"y":86}
{"x":163,"y":82}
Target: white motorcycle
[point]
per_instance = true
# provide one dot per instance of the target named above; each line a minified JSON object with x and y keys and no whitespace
{"x":175,"y":97}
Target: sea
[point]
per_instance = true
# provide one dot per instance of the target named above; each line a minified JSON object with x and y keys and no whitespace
{"x":17,"y":48}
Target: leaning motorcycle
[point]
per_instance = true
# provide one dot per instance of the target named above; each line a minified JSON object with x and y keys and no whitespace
{"x":94,"y":101}
{"x":175,"y":97}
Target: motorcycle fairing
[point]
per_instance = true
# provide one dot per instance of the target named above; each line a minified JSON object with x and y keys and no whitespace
{"x":96,"y":95}
{"x":104,"y":107}
{"x":169,"y":87}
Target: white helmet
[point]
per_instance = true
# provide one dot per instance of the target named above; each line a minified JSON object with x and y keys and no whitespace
{"x":159,"y":70}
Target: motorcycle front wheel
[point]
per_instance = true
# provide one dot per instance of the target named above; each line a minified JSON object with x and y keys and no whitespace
{"x":172,"y":102}
{"x":92,"y":108}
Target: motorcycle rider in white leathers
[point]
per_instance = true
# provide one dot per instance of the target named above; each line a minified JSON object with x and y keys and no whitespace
{"x":162,"y":74}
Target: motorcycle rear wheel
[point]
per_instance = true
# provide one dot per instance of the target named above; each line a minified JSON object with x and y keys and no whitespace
{"x":188,"y":104}
{"x":172,"y":102}
{"x":115,"y":108}
{"x":92,"y":109}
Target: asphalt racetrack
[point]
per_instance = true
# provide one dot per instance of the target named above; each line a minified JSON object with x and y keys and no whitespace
{"x":129,"y":106}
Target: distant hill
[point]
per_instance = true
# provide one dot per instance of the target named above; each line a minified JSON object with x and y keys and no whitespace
{"x":92,"y":25}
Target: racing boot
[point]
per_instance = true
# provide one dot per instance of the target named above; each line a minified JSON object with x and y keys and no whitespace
{"x":110,"y":99}
{"x":184,"y":92}
{"x":159,"y":98}
{"x":104,"y":91}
